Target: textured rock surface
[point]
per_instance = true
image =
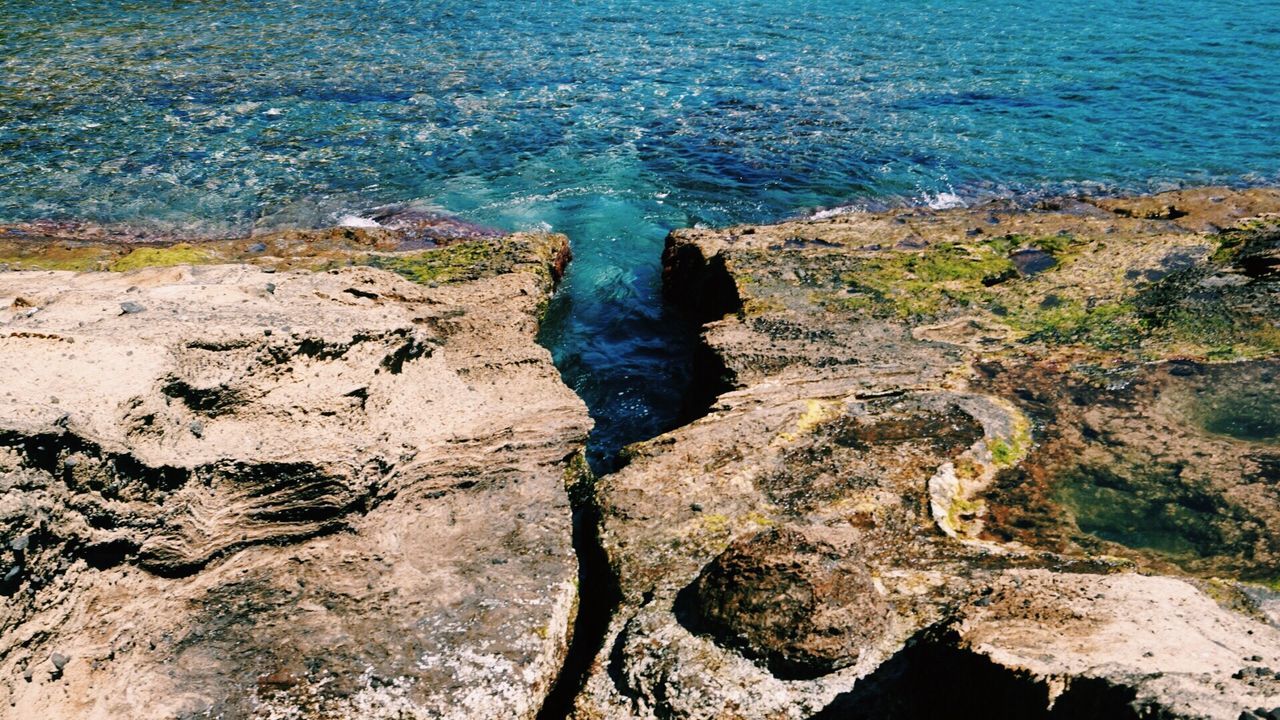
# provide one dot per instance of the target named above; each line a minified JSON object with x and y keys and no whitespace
{"x":246,"y":490}
{"x":1000,"y":462}
{"x":802,"y":606}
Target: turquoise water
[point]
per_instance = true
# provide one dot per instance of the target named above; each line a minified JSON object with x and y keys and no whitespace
{"x":614,"y":121}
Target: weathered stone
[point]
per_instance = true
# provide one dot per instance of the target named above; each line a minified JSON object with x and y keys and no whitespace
{"x":359,"y":515}
{"x":896,"y":393}
{"x":802,"y":606}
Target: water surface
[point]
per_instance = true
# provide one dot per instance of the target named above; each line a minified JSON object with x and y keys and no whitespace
{"x":616,"y":120}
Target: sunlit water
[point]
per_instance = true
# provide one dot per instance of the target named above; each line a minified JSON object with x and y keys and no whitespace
{"x":614,"y":121}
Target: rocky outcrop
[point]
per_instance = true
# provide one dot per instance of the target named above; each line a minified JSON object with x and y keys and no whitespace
{"x":311,"y":474}
{"x":1001,"y":461}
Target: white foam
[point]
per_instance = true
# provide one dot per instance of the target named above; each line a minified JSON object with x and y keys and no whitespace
{"x":834,"y":212}
{"x":945,"y":201}
{"x":357,"y":222}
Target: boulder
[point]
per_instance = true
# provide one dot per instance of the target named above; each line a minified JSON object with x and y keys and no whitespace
{"x":803,"y":607}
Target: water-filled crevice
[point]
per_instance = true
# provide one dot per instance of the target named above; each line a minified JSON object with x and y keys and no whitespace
{"x":696,"y":375}
{"x":624,"y":351}
{"x":694,"y":291}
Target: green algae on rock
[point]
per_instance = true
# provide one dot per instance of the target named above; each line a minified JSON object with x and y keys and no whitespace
{"x":1010,"y":417}
{"x":177,"y":254}
{"x":451,"y":260}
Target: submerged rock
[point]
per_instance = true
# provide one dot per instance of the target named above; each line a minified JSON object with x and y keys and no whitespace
{"x":343,"y":498}
{"x":954,"y":473}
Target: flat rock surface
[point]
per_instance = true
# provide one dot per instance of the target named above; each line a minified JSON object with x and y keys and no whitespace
{"x":246,"y":490}
{"x":1003,"y":461}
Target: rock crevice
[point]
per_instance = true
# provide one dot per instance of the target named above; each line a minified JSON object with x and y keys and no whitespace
{"x":896,"y":507}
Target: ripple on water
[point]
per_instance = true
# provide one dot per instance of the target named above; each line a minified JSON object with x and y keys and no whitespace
{"x":614,"y":121}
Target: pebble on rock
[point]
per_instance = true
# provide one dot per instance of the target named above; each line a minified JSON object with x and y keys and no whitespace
{"x":130,"y":308}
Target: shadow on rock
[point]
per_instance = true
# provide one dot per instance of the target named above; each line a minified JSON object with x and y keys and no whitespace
{"x":932,"y":678}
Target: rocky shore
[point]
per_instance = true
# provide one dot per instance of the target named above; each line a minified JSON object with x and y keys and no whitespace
{"x":989,"y":462}
{"x":312,"y":474}
{"x":1002,"y":461}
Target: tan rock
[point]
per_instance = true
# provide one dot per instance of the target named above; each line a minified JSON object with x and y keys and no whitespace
{"x":1009,"y":418}
{"x":250,"y":493}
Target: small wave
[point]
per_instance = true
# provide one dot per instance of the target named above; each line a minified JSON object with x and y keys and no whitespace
{"x":355,"y":221}
{"x":835,"y":212}
{"x":945,"y":201}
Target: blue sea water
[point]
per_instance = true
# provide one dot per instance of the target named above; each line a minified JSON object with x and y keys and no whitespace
{"x":616,"y":120}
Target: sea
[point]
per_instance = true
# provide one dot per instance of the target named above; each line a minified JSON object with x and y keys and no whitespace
{"x":615,"y":121}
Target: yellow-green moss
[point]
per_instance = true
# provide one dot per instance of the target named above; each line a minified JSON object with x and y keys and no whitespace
{"x":961,"y":507}
{"x":548,"y":251}
{"x":1231,"y":241}
{"x":74,"y":258}
{"x":755,"y":306}
{"x":1219,"y":333}
{"x":1002,"y":453}
{"x":816,"y":412}
{"x":715,"y":523}
{"x":1106,"y":325}
{"x":1060,"y":246}
{"x":180,"y":254}
{"x":924,"y":284}
{"x":967,"y":469}
{"x":1005,"y":452}
{"x":458,"y":262}
{"x":759,"y":518}
{"x":579,"y":481}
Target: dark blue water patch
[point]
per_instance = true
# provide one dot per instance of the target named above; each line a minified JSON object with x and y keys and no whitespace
{"x":1032,"y":261}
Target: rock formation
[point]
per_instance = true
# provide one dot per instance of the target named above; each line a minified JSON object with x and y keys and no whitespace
{"x":278,"y":478}
{"x":1002,"y":461}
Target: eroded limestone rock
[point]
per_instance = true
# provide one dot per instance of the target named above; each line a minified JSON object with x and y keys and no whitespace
{"x":286,"y":493}
{"x":1043,"y":433}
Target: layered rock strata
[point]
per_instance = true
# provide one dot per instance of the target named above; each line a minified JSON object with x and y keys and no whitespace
{"x":1000,"y":461}
{"x":304,"y":475}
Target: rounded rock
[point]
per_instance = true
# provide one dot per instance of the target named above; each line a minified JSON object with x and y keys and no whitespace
{"x":798,"y":604}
